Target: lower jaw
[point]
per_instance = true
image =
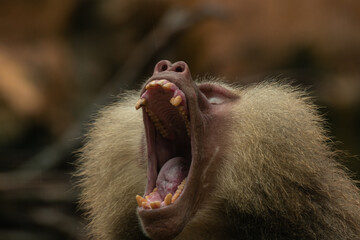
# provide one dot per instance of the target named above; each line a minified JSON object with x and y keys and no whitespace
{"x":165,"y":223}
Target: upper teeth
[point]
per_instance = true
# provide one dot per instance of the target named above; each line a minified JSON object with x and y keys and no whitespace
{"x":163,"y":83}
{"x":141,"y":102}
{"x":175,"y":101}
{"x":166,"y":85}
{"x":157,"y":123}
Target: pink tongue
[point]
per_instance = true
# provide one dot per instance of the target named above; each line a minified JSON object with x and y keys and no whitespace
{"x":171,"y":175}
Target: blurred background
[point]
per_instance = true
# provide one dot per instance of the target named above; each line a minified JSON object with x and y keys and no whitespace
{"x":60,"y":61}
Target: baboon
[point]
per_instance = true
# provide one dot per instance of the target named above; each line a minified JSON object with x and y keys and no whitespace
{"x":205,"y":160}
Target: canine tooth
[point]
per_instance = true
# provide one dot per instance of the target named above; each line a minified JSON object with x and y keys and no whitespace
{"x":181,"y":187}
{"x":155,"y":190}
{"x":155,"y":204}
{"x":167,"y":86}
{"x":139,"y":200}
{"x":168,"y":198}
{"x":176,"y":101}
{"x":145,"y":205}
{"x":141,"y":102}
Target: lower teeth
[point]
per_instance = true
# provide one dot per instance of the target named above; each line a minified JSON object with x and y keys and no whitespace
{"x":146,"y":202}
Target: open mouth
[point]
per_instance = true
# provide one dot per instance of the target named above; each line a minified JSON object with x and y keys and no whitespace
{"x":167,"y":125}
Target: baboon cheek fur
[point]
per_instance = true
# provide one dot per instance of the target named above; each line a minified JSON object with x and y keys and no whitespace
{"x":255,"y":163}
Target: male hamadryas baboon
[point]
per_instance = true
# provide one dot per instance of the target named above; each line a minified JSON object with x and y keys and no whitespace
{"x":210,"y":161}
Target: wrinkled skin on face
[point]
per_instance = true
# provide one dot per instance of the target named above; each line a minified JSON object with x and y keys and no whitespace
{"x":203,"y":160}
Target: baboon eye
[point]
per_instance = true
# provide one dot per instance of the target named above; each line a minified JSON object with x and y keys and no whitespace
{"x":216,"y":94}
{"x":215,"y":100}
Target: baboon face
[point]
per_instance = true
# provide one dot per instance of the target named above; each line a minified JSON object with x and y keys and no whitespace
{"x":181,"y":121}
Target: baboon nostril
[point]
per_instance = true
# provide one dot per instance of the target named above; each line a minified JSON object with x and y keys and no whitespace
{"x":179,"y":69}
{"x":164,"y":67}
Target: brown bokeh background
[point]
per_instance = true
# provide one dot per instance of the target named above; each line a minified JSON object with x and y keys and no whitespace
{"x":60,"y":61}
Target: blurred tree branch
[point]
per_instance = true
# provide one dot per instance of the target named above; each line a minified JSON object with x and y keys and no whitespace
{"x":174,"y":22}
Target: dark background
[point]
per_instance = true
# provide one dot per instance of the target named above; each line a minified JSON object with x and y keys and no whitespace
{"x":60,"y":61}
